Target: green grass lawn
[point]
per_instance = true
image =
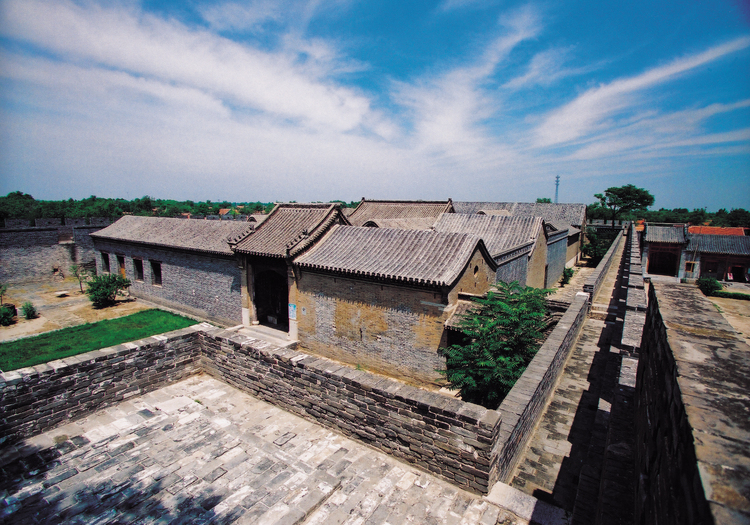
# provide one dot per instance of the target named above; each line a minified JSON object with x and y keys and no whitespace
{"x":75,"y":340}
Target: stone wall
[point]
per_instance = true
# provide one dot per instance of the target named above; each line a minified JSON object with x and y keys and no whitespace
{"x":202,"y":285}
{"x":525,"y":403}
{"x":31,"y":254}
{"x":691,"y":413}
{"x":443,"y":435}
{"x":595,"y":279}
{"x":36,"y":399}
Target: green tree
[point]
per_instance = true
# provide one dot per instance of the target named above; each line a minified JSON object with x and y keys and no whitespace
{"x":543,"y":200}
{"x":503,"y":332}
{"x":624,"y":199}
{"x":103,"y":289}
{"x":739,"y":217}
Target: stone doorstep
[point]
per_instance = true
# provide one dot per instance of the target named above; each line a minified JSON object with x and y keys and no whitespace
{"x":527,"y":507}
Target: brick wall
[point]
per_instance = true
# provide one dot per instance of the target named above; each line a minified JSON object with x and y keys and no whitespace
{"x":556,"y":251}
{"x":513,"y":270}
{"x":537,"y":263}
{"x":595,"y":279}
{"x":691,"y":413}
{"x":36,"y":399}
{"x":30,"y":254}
{"x":443,"y":435}
{"x":525,"y":403}
{"x":387,"y":328}
{"x":203,"y":285}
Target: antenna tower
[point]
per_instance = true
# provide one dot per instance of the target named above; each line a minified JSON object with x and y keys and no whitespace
{"x":557,"y":187}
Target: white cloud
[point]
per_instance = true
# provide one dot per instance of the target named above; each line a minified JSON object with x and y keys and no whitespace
{"x":241,"y":16}
{"x":589,"y":112}
{"x":147,"y":46}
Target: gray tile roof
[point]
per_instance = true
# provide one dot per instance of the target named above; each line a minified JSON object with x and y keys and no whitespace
{"x":719,"y":244}
{"x":289,"y":229}
{"x":187,"y":234}
{"x":369,"y":210}
{"x":499,"y":233}
{"x":407,"y":223}
{"x":413,"y":256}
{"x":574,"y":214}
{"x":666,"y":234}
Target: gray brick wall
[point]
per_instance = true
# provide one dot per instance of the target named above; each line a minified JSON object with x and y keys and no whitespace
{"x":525,"y":403}
{"x":207,"y":286}
{"x":36,"y":399}
{"x":557,"y":249}
{"x":513,"y":270}
{"x":440,"y":434}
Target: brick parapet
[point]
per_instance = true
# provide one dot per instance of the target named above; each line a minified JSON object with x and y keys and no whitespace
{"x":691,"y":413}
{"x":596,"y":278}
{"x":38,"y":398}
{"x":525,"y":403}
{"x":440,"y":434}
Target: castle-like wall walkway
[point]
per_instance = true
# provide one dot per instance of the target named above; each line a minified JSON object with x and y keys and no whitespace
{"x":568,"y":462}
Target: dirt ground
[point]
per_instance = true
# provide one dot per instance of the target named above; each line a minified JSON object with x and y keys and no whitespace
{"x":736,"y":312}
{"x":59,"y":304}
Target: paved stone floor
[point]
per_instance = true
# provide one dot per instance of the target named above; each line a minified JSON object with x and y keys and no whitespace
{"x":200,"y":451}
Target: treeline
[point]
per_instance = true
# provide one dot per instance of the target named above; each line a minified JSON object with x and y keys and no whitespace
{"x":18,"y":205}
{"x":734,"y":217}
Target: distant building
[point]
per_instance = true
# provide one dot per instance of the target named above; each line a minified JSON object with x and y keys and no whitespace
{"x":374,"y":211}
{"x":184,"y":264}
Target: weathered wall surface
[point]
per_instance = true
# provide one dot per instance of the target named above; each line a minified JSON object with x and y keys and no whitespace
{"x":513,"y":268}
{"x":387,"y":328}
{"x":526,"y":401}
{"x":692,"y":413}
{"x":207,"y":286}
{"x":556,"y":252}
{"x":595,"y":279}
{"x":440,"y":434}
{"x":35,"y":399}
{"x":537,"y":263}
{"x":32,"y":254}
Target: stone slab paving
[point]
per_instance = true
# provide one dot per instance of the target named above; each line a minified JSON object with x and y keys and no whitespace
{"x":200,"y":451}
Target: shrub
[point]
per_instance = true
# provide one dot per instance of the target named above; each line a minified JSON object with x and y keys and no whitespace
{"x":567,"y":274}
{"x":504,"y":333}
{"x":103,"y":289}
{"x":29,"y":310}
{"x":6,"y":316}
{"x":708,"y":285}
{"x":732,"y":295}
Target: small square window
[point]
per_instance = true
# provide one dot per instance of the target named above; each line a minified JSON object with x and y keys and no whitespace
{"x":138,"y":268}
{"x":105,"y":262}
{"x":690,"y":267}
{"x":156,"y":273}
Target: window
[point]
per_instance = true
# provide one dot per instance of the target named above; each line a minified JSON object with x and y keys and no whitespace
{"x":138,"y":268}
{"x":689,"y":267}
{"x":156,"y":273}
{"x":121,"y":264}
{"x":105,"y":262}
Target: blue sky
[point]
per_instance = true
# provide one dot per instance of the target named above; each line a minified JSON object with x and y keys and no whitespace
{"x":343,"y":99}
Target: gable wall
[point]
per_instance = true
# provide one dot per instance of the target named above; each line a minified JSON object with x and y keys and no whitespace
{"x":556,"y":258}
{"x":537,"y":262}
{"x":383,"y":327}
{"x":207,"y":286}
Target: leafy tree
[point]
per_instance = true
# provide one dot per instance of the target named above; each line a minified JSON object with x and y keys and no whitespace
{"x":544,"y":200}
{"x":3,"y":290}
{"x":504,"y":333}
{"x":598,"y":242}
{"x":739,"y":217}
{"x":29,"y":310}
{"x":624,"y":199}
{"x":103,"y":289}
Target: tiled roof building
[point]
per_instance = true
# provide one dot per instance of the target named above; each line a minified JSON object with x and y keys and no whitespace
{"x":412,"y":256}
{"x":190,"y":234}
{"x":373,"y":209}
